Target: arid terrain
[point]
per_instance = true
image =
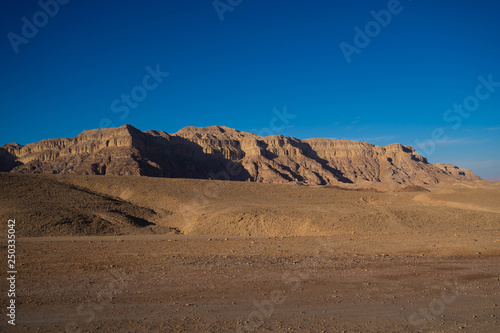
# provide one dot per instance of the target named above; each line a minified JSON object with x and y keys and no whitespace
{"x":250,"y":166}
{"x":140,"y":254}
{"x":223,"y":153}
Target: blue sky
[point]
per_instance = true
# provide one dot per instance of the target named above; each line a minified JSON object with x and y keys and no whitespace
{"x":262,"y":59}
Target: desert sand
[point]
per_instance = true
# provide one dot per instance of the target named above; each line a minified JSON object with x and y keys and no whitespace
{"x":140,"y":254}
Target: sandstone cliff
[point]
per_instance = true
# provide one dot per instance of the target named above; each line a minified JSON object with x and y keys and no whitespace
{"x":224,"y":153}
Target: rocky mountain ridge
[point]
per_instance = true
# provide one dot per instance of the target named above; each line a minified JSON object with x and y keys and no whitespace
{"x":219,"y":152}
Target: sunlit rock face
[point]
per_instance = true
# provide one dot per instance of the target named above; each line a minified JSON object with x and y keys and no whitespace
{"x":220,"y":152}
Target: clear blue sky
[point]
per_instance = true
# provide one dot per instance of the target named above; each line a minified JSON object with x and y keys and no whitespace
{"x":264,"y":55}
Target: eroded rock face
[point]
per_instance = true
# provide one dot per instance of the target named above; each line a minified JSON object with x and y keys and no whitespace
{"x":220,"y":152}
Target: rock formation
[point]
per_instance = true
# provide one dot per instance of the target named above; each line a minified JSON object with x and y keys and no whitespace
{"x":220,"y":152}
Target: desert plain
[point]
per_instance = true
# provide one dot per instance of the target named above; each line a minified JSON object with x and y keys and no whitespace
{"x":143,"y":254}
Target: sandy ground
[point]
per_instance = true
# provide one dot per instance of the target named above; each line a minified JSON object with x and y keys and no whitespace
{"x":177,"y":255}
{"x":383,"y":283}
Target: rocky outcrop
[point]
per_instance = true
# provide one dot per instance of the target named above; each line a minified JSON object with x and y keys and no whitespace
{"x":456,"y":172}
{"x":220,"y":152}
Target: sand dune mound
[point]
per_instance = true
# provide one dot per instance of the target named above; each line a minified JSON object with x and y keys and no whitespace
{"x":444,"y":199}
{"x":50,"y":205}
{"x":224,"y":208}
{"x":43,"y":206}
